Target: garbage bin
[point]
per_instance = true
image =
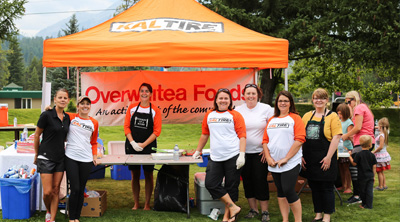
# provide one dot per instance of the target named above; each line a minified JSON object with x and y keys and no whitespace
{"x":18,"y":197}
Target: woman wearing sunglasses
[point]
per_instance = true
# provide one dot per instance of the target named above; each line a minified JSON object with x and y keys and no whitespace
{"x":323,"y":130}
{"x":363,"y":120}
{"x":255,"y":171}
{"x":283,"y":137}
{"x":227,"y":132}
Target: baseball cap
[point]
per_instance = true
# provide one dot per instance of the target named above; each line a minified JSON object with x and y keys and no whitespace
{"x":84,"y":97}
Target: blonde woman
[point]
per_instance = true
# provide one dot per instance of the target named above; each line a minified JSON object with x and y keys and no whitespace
{"x":363,"y":120}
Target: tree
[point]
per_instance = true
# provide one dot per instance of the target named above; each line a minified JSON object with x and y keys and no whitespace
{"x":4,"y":72}
{"x":33,"y":75}
{"x":124,"y":6}
{"x":16,"y":60}
{"x":9,"y":11}
{"x":72,"y":26}
{"x":365,"y":34}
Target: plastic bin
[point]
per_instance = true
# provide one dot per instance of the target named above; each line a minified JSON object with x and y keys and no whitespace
{"x":119,"y":172}
{"x":99,"y":174}
{"x":3,"y":114}
{"x":18,"y":197}
{"x":205,"y":160}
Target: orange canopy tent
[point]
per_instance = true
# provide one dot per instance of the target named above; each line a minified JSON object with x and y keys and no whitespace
{"x":180,"y":33}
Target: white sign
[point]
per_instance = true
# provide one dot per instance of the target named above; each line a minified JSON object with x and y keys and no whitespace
{"x":167,"y":24}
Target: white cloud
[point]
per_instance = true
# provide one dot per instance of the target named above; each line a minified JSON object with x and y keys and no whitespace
{"x":32,"y":23}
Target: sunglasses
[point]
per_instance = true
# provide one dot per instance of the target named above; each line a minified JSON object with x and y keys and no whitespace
{"x":250,"y":85}
{"x":224,"y":90}
{"x":349,"y":101}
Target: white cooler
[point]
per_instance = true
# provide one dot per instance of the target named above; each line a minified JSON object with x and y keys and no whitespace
{"x":204,"y":200}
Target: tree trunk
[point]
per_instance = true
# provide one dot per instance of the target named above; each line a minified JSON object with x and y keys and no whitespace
{"x":268,"y":85}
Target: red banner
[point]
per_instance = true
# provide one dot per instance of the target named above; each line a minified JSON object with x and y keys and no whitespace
{"x":183,"y":97}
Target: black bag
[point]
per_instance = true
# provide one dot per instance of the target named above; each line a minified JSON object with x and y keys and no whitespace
{"x":170,"y":193}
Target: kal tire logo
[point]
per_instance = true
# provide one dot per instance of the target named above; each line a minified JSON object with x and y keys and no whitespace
{"x":167,"y":24}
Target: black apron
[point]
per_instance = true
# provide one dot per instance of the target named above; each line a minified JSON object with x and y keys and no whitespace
{"x":315,"y":149}
{"x":141,"y":127}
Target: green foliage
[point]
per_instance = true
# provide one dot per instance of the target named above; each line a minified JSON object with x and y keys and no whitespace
{"x":31,"y":47}
{"x":4,"y":72}
{"x":9,"y":12}
{"x":72,"y":26}
{"x":16,"y":61}
{"x":71,"y":106}
{"x":33,"y":75}
{"x":341,"y":35}
{"x":124,"y":6}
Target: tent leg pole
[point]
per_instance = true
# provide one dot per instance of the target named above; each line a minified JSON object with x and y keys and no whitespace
{"x":77,"y":83}
{"x":256,"y":77}
{"x":286,"y":81}
{"x":43,"y":90}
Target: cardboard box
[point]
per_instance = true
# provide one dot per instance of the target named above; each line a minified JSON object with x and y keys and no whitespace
{"x":95,"y":206}
{"x":299,"y":184}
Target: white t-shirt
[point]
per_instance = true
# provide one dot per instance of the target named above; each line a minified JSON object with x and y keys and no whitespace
{"x":82,"y":138}
{"x":280,"y":134}
{"x":225,"y":130}
{"x":256,"y":120}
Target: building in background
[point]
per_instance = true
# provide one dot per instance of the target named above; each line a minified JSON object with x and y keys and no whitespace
{"x":17,"y":98}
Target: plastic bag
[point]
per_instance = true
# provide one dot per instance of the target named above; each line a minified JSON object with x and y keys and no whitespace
{"x":170,"y":193}
{"x":22,"y":186}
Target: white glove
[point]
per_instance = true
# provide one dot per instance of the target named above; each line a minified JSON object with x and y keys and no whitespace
{"x":240,"y":160}
{"x":196,"y":155}
{"x":136,"y":146}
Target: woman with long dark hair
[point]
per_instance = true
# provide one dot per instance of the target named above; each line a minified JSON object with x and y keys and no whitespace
{"x":282,"y":142}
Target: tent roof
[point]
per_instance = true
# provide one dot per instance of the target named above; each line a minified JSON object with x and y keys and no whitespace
{"x":167,"y":33}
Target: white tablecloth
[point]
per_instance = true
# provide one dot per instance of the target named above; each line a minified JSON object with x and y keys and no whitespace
{"x":9,"y":158}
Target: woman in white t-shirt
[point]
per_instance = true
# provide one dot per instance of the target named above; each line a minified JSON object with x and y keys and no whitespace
{"x":80,"y":154}
{"x":255,"y":171}
{"x":283,"y":137}
{"x":227,"y":132}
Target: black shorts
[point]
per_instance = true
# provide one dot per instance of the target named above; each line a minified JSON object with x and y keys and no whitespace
{"x":50,"y":167}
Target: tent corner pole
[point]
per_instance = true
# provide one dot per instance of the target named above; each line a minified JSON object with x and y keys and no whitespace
{"x":286,"y":80}
{"x":77,"y":83}
{"x":43,"y":90}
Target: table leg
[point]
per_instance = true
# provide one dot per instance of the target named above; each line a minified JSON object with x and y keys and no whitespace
{"x":187,"y":200}
{"x":16,"y":134}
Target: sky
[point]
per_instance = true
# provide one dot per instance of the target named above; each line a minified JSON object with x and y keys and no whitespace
{"x":31,"y":23}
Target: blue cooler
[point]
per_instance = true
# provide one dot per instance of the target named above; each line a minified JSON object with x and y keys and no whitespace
{"x":18,"y":197}
{"x":120,"y":172}
{"x":205,"y":160}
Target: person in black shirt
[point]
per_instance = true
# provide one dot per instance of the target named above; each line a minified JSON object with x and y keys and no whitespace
{"x":50,"y":152}
{"x":366,"y":165}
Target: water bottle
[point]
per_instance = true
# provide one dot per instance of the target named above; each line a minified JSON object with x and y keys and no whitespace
{"x":24,"y":136}
{"x":15,"y":122}
{"x":176,"y":152}
{"x":376,"y":130}
{"x":340,"y":146}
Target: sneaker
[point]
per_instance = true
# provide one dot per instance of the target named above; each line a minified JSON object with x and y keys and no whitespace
{"x":48,"y":217}
{"x":265,"y":216}
{"x":385,"y":187}
{"x":350,"y":198}
{"x":252,"y":213}
{"x":354,"y":200}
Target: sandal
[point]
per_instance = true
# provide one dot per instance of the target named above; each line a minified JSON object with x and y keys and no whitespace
{"x":235,"y":217}
{"x":252,"y":213}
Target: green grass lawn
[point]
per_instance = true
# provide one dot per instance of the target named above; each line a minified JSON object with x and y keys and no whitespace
{"x":120,"y":201}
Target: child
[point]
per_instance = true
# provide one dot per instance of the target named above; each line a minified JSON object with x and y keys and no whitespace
{"x":366,"y":164}
{"x":382,"y":156}
{"x":344,"y":114}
